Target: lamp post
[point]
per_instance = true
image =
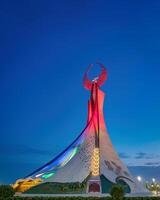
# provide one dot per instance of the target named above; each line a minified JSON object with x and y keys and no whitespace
{"x":153,"y":180}
{"x":139,"y":178}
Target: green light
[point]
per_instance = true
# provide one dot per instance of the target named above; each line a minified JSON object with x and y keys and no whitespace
{"x":48,"y":175}
{"x":71,"y":155}
{"x":74,"y":152}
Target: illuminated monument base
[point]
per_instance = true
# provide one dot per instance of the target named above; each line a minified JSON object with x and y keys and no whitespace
{"x":90,"y":163}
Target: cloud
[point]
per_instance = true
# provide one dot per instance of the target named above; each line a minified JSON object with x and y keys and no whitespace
{"x":146,"y":172}
{"x":21,"y":150}
{"x":138,"y":155}
{"x":123,"y":155}
{"x":143,"y":155}
{"x":140,"y":158}
{"x":152,"y":163}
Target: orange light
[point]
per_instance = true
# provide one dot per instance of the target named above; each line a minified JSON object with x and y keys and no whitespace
{"x":95,"y":162}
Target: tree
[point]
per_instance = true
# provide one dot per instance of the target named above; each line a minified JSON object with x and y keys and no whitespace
{"x":153,"y":187}
{"x":6,"y":191}
{"x":117,"y":192}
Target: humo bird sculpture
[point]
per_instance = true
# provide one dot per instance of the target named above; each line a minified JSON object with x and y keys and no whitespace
{"x":90,"y":160}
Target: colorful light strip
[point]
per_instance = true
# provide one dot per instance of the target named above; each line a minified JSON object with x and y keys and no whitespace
{"x":63,"y":161}
{"x":45,"y":176}
{"x":70,"y":156}
{"x":38,"y":175}
{"x":95,"y":162}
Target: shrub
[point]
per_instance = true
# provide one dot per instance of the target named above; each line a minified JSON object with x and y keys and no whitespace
{"x":117,"y":192}
{"x":6,"y":191}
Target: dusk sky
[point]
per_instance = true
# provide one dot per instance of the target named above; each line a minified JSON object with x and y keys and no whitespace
{"x":45,"y":48}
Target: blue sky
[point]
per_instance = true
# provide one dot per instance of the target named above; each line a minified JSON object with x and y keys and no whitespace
{"x":45,"y":48}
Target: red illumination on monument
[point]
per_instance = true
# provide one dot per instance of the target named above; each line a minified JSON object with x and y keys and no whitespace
{"x":91,"y":157}
{"x":100,"y":80}
{"x":95,"y":104}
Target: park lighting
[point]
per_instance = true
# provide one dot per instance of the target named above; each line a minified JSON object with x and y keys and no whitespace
{"x":153,"y":187}
{"x":153,"y":180}
{"x":139,"y":178}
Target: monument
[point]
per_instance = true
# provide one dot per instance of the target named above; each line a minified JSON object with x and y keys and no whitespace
{"x":90,"y":163}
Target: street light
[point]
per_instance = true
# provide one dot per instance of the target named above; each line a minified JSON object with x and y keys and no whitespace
{"x":139,"y":178}
{"x":153,"y":180}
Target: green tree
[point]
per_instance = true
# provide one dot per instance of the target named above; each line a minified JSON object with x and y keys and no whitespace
{"x":117,"y":192}
{"x":6,"y":191}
